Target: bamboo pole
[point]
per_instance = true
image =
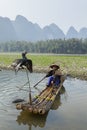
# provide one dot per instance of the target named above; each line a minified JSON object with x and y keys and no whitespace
{"x":30,"y":99}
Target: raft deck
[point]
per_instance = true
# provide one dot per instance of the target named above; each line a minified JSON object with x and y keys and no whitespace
{"x":43,"y":102}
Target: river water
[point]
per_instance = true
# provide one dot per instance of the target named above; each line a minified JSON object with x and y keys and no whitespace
{"x":69,"y":111}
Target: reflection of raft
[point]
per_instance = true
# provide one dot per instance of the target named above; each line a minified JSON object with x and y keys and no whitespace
{"x":26,"y":118}
{"x":43,"y":102}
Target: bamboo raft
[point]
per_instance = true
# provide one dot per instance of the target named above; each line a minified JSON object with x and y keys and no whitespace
{"x":42,"y":103}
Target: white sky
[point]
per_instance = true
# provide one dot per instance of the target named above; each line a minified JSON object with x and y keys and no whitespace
{"x":64,"y":13}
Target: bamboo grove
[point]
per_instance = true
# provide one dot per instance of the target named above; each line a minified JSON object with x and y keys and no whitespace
{"x":65,"y":46}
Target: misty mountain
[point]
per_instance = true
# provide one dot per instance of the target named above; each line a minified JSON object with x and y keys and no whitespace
{"x":26,"y":30}
{"x":53,"y":32}
{"x":72,"y":33}
{"x":83,"y":33}
{"x":7,"y":31}
{"x":23,"y":30}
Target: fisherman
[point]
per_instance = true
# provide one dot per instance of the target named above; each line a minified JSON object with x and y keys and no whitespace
{"x":56,"y":74}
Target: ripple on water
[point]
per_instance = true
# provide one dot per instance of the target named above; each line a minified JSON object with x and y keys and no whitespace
{"x":66,"y":114}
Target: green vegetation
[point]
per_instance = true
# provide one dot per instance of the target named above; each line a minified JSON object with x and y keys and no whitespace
{"x":69,"y":46}
{"x":74,"y":65}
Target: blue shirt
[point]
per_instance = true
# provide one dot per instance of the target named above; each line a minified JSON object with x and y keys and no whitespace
{"x":55,"y":79}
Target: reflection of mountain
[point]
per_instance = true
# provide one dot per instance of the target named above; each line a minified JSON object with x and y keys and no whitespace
{"x":29,"y":119}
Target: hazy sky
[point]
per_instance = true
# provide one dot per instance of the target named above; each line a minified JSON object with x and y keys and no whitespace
{"x":64,"y":13}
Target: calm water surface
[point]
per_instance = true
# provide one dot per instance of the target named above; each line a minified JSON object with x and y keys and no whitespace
{"x":69,"y":111}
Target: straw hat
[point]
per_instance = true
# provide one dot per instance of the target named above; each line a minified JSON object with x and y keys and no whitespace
{"x":54,"y":66}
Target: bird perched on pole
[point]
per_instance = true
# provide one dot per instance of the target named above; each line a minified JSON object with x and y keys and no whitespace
{"x":22,"y":63}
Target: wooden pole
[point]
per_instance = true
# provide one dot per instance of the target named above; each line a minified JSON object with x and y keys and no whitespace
{"x":39,"y":81}
{"x":30,"y":99}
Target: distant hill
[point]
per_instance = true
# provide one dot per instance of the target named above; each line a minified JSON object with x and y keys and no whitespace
{"x":23,"y":30}
{"x":7,"y":31}
{"x":53,"y":32}
{"x":72,"y":33}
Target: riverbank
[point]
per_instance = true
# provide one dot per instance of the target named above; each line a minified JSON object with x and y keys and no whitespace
{"x":72,"y":65}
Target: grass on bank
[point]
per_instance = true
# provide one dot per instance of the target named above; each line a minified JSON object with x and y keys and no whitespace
{"x":75,"y":65}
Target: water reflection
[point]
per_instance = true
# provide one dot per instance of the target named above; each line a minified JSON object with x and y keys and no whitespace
{"x":57,"y":101}
{"x":29,"y":119}
{"x":69,"y":111}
